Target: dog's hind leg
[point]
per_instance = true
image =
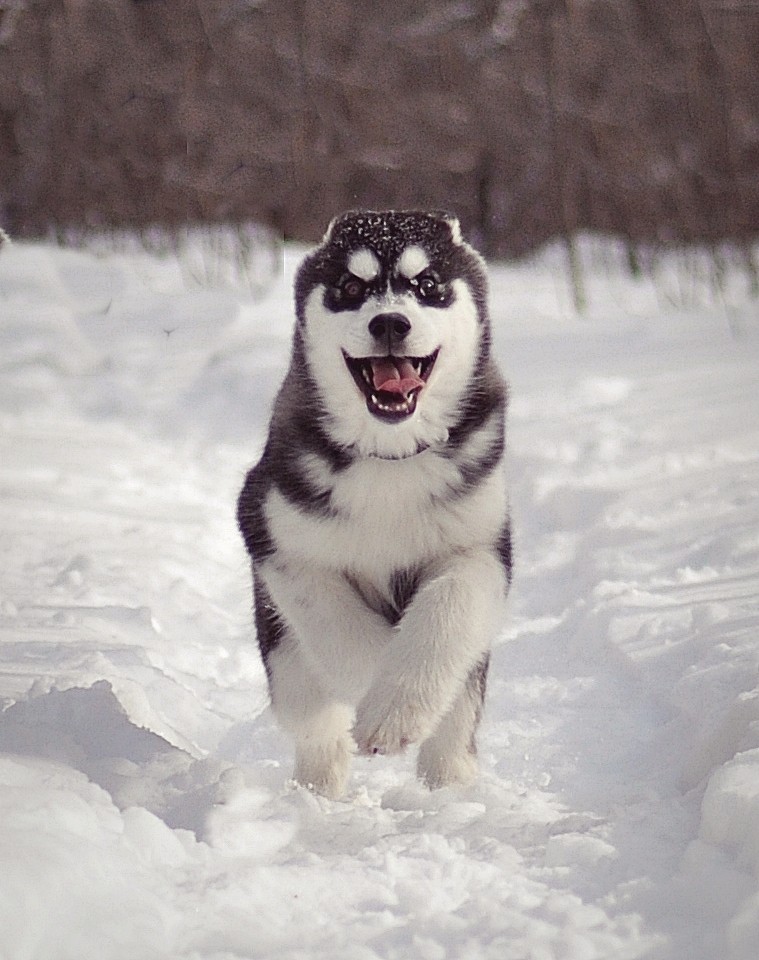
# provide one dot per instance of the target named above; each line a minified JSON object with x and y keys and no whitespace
{"x":449,"y":756}
{"x":319,"y":725}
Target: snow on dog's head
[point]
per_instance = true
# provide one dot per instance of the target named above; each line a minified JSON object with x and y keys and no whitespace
{"x":393,"y":320}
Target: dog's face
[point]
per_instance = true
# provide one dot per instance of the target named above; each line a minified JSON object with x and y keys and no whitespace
{"x":391,"y":309}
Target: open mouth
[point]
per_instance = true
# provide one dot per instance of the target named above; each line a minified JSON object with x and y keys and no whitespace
{"x":391,"y":385}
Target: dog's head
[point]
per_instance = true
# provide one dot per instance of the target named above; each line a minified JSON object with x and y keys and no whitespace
{"x":392,"y":318}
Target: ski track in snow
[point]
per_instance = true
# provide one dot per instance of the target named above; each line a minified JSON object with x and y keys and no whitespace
{"x":145,"y":807}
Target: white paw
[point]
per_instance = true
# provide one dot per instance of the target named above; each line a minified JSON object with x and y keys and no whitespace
{"x":388,"y":728}
{"x":323,"y":767}
{"x":438,"y":769}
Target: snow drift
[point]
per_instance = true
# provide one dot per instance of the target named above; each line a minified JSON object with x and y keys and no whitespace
{"x":145,"y":807}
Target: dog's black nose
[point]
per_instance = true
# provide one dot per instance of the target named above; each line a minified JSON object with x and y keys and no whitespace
{"x":391,"y":327}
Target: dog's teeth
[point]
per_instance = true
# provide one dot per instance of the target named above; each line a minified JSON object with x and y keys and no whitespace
{"x":367,"y":377}
{"x":394,"y":407}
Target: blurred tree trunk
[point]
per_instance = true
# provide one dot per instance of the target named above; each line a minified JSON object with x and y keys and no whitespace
{"x":565,"y":177}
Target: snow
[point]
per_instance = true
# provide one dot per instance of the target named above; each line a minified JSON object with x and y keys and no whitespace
{"x":145,"y":803}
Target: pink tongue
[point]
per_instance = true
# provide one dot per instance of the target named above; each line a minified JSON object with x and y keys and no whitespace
{"x":395,"y":375}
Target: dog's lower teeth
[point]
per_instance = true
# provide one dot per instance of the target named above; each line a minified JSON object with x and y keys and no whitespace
{"x":402,"y":405}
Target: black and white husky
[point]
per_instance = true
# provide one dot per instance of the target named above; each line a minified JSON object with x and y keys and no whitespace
{"x":377,"y":517}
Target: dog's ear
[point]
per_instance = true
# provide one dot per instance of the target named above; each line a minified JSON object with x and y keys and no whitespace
{"x":455,"y":228}
{"x":453,"y":224}
{"x":332,"y":224}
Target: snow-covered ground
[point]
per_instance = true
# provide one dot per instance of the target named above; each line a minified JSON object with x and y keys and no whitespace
{"x":145,"y":808}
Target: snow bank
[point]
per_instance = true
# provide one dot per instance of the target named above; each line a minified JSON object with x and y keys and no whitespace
{"x":145,"y":806}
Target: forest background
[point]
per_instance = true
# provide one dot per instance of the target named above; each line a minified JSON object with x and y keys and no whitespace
{"x":531,"y":119}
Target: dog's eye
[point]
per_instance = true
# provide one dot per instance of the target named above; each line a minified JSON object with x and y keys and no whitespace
{"x":427,"y":285}
{"x":352,"y":288}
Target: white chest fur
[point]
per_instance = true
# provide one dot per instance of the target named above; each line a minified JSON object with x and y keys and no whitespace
{"x":390,"y":515}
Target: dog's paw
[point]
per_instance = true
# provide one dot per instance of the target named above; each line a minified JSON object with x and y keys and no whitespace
{"x":323,"y":767}
{"x":387,"y":731}
{"x":442,"y":765}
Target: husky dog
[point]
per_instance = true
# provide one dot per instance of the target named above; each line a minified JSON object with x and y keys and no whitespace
{"x":377,"y":517}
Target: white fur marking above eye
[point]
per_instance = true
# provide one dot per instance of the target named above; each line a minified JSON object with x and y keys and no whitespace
{"x":363,"y":264}
{"x":412,"y":262}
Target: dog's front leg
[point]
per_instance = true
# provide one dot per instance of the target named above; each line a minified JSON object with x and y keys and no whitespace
{"x":339,"y":635}
{"x":446,"y":631}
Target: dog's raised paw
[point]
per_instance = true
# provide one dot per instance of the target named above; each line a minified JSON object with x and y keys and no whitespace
{"x":386,"y":735}
{"x":381,"y":743}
